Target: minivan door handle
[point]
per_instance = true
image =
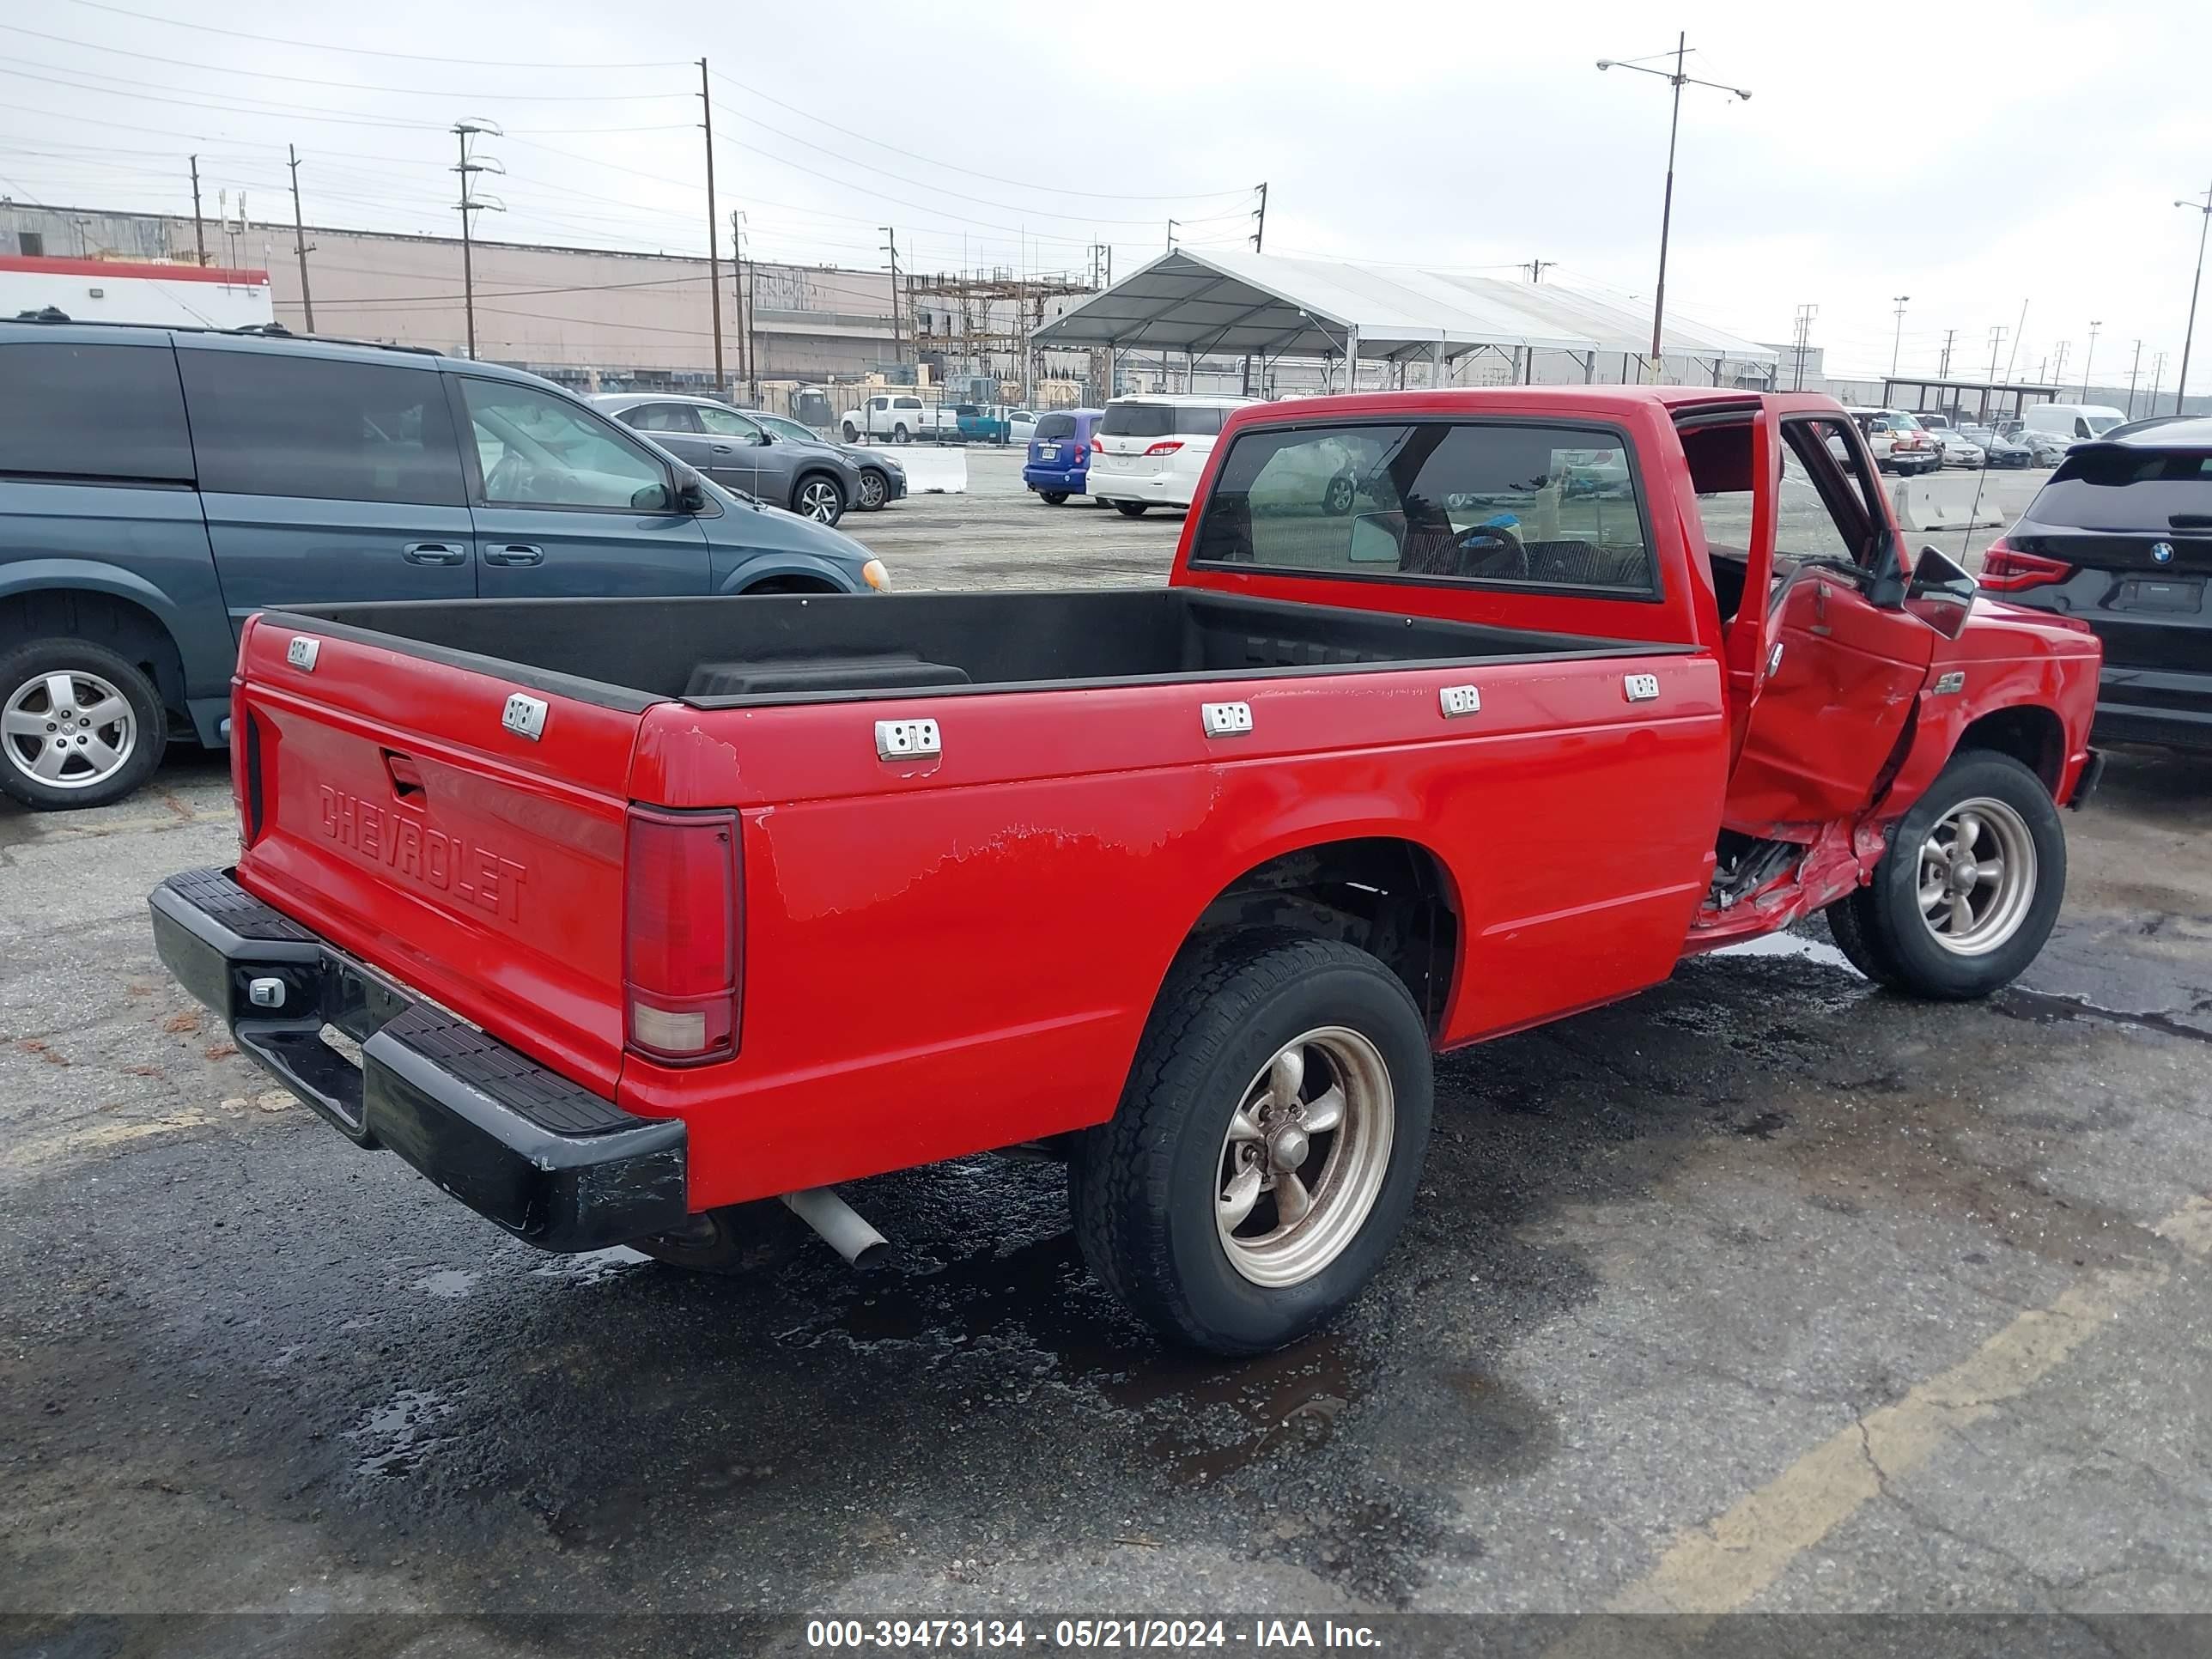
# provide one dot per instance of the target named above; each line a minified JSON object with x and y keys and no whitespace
{"x":433,"y":553}
{"x":514,"y":553}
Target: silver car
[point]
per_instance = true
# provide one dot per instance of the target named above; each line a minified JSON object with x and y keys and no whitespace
{"x":812,"y":477}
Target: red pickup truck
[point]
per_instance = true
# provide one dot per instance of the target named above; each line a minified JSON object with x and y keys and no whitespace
{"x":1462,"y":711}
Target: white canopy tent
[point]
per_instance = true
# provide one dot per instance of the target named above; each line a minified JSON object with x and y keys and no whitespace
{"x":1264,"y":304}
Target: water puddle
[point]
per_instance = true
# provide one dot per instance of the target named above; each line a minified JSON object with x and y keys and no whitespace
{"x":1791,"y":944}
{"x":1211,"y":1417}
{"x":2043,"y":1008}
{"x":449,"y":1285}
{"x":396,"y":1437}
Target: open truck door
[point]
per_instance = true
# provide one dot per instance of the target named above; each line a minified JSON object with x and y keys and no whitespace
{"x":1823,"y":678}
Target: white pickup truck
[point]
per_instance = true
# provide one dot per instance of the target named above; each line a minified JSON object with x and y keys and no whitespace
{"x":901,"y":416}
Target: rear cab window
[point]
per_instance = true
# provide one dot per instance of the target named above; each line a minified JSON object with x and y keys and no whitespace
{"x":1539,"y":506}
{"x":101,"y":414}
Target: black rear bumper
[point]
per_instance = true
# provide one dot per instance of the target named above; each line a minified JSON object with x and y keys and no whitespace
{"x":550,"y":1162}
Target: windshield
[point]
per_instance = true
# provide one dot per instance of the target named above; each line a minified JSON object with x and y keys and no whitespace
{"x":2100,"y":424}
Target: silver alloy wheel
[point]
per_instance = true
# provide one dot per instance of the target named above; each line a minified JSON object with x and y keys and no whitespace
{"x":1977,"y":876}
{"x":68,"y":730}
{"x":872,"y":490}
{"x":818,"y":500}
{"x":1304,"y":1157}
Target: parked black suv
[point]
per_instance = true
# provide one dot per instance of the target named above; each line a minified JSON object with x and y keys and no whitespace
{"x":2122,"y":537}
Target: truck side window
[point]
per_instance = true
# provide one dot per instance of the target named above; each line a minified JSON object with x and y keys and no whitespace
{"x":1538,"y":506}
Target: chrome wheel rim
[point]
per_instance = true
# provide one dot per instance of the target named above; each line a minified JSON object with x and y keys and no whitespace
{"x":818,"y":500}
{"x":1977,"y":876}
{"x":68,"y":730}
{"x":871,"y":490}
{"x":1304,"y":1157}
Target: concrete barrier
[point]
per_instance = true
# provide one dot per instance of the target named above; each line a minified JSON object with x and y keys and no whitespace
{"x":930,"y":470}
{"x":1948,"y":501}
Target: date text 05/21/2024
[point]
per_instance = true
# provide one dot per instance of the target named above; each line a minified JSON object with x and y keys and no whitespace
{"x":1158,"y":1635}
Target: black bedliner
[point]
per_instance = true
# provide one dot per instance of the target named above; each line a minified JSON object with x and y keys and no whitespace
{"x":742,"y":650}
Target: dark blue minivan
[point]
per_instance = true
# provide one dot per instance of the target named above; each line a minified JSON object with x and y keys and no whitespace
{"x":160,"y":485}
{"x":1060,"y":453}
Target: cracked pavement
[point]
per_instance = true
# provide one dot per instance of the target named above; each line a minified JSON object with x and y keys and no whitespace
{"x":1665,"y":1253}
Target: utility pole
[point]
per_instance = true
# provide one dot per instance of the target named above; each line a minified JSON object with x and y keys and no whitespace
{"x":1997,"y":339}
{"x":300,"y":241}
{"x":1943,"y":373}
{"x":2181,"y":384}
{"x":1803,"y":332}
{"x":470,"y":203}
{"x":1172,"y":223}
{"x":1897,"y":339}
{"x":2059,"y":373}
{"x":199,"y":230}
{"x":898,"y":342}
{"x":1537,"y":268}
{"x":2088,"y":358}
{"x":1667,"y":208}
{"x":746,"y":366}
{"x":1259,"y":229}
{"x":2157,"y":379}
{"x":2135,"y":369}
{"x":713,"y":230}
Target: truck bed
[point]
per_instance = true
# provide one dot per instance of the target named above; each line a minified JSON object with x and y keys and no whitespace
{"x":739,"y":652}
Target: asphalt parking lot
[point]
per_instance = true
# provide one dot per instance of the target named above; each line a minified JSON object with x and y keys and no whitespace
{"x":1764,"y":1291}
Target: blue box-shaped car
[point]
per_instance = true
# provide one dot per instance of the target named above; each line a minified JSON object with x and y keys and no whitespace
{"x":1060,"y":453}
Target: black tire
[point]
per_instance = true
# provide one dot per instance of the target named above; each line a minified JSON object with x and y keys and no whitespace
{"x":875,"y":491}
{"x":825,"y":489}
{"x":900,"y":435}
{"x":737,"y":1239}
{"x":1881,"y":927}
{"x":1053,"y":497}
{"x":1342,"y":490}
{"x":852,"y":433}
{"x":1132,"y":509}
{"x":23,"y":666}
{"x":1144,"y":1185}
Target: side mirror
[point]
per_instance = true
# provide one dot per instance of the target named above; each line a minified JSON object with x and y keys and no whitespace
{"x":689,"y":494}
{"x":765,"y":437}
{"x":1942,"y":593}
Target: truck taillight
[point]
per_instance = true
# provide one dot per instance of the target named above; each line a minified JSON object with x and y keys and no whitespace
{"x":1168,"y":448}
{"x":2006,"y":569}
{"x":683,"y":904}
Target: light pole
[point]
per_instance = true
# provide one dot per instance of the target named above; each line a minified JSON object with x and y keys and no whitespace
{"x":2089,"y":357}
{"x":1897,"y":340}
{"x":2204,"y":207}
{"x":1667,"y":208}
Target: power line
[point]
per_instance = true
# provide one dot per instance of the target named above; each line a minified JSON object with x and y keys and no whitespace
{"x":954,"y":167}
{"x":358,"y":51}
{"x":310,"y":81}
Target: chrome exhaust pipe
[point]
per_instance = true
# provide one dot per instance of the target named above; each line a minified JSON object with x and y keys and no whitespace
{"x":840,"y":1226}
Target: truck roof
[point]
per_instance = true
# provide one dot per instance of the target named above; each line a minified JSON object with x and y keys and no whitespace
{"x":1449,"y":400}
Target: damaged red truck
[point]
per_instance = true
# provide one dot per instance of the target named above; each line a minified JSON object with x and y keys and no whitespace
{"x":1462,"y":711}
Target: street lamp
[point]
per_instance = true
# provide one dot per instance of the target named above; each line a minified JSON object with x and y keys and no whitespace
{"x":2204,"y":207}
{"x":1897,"y":339}
{"x":1666,"y":210}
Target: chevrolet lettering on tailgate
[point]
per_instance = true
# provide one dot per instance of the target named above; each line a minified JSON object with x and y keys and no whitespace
{"x":407,"y":845}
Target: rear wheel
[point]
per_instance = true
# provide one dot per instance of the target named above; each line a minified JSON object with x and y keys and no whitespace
{"x":900,"y":435}
{"x":1053,"y":497}
{"x":80,"y":726}
{"x":1337,"y":501}
{"x":1266,"y":1147}
{"x":1132,"y":509}
{"x":1969,"y":889}
{"x":875,"y":489}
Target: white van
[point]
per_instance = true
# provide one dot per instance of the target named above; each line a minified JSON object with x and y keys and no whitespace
{"x":1149,"y":451}
{"x":2071,"y":422}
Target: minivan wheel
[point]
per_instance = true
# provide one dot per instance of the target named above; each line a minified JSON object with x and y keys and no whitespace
{"x":819,"y":498}
{"x":1266,"y":1147}
{"x":79,"y":724}
{"x":1132,"y":509}
{"x":875,"y":489}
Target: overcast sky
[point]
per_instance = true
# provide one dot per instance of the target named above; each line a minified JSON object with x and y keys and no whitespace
{"x":1987,"y":157}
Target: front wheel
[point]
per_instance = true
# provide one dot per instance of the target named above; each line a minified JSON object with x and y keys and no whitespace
{"x":1266,"y":1147}
{"x":819,"y":498}
{"x":80,"y":726}
{"x":899,"y":435}
{"x":1132,"y":509}
{"x":875,"y":490}
{"x":1053,"y":497}
{"x":1969,"y":889}
{"x":852,"y":433}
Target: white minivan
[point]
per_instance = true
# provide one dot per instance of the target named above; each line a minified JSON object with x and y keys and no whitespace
{"x":2071,"y":422}
{"x":1149,"y":451}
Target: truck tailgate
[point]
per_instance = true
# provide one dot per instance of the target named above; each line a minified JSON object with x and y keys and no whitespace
{"x":385,"y":804}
